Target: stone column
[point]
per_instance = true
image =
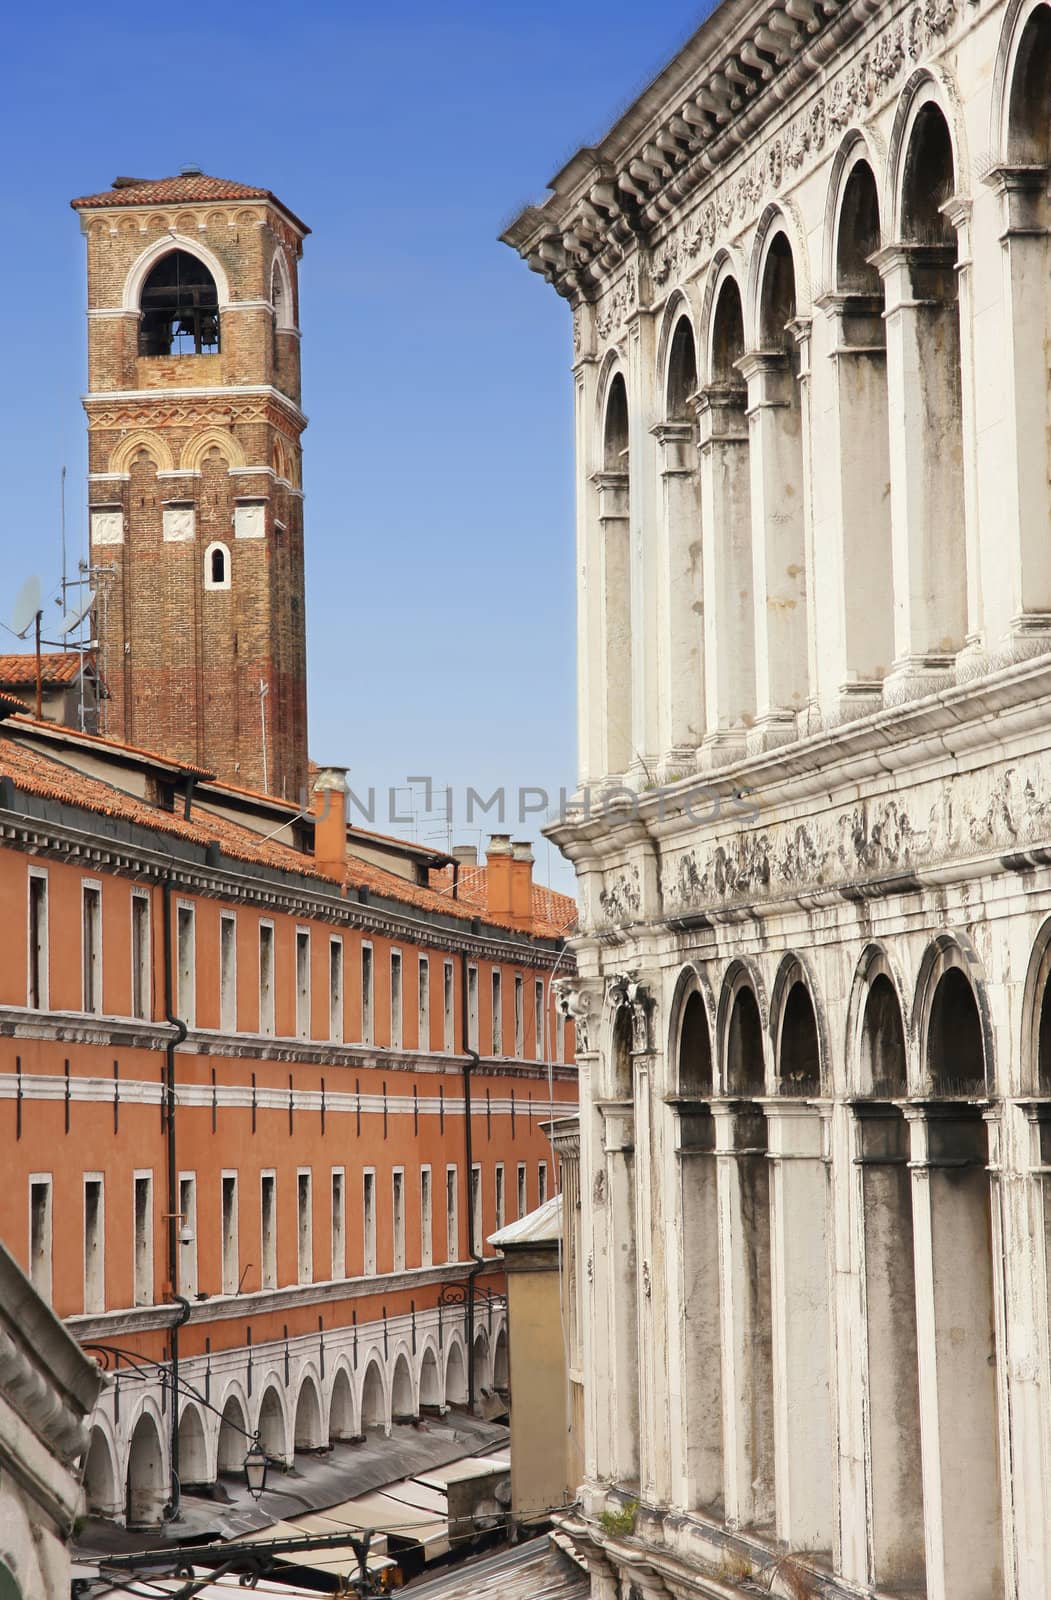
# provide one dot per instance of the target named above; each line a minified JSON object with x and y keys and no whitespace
{"x":1015,"y":464}
{"x":884,"y":1190}
{"x":778,"y":557}
{"x":800,"y":1323}
{"x":744,"y":1309}
{"x":620,"y":1330}
{"x":615,"y":602}
{"x":854,"y":590}
{"x":695,"y":1379}
{"x":680,"y":632}
{"x":726,"y":540}
{"x":924,"y":404}
{"x":956,"y":1350}
{"x":641,"y":380}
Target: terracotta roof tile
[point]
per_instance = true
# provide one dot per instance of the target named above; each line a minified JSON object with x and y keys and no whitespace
{"x":42,"y":772}
{"x":187,"y":188}
{"x":56,"y":666}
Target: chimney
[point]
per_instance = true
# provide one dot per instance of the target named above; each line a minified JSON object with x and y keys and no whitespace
{"x":330,"y":821}
{"x":498,"y":864}
{"x":465,"y":854}
{"x":522,"y":883}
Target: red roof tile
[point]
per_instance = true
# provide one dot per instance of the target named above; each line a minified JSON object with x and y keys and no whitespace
{"x":56,"y":666}
{"x":187,"y":188}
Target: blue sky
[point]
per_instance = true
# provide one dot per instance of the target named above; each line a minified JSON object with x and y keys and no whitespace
{"x":438,"y":461}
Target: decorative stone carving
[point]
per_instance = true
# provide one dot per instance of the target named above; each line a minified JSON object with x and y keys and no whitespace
{"x":625,"y":989}
{"x":581,"y":1003}
{"x":618,"y":305}
{"x":178,"y":524}
{"x":621,"y":899}
{"x":107,"y":527}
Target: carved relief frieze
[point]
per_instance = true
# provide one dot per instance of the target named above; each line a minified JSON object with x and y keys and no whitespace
{"x":189,"y":413}
{"x":804,"y":138}
{"x":998,"y":811}
{"x":621,"y":897}
{"x":615,"y":309}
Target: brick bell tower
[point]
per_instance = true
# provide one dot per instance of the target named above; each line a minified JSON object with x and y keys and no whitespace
{"x":195,"y":488}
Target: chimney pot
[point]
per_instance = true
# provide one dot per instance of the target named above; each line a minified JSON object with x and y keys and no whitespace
{"x":465,"y":854}
{"x":330,"y":821}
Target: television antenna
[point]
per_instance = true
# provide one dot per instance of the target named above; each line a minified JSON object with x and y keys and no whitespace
{"x":28,"y":614}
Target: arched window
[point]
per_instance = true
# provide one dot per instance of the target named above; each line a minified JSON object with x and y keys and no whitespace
{"x":179,"y":309}
{"x":217,"y":567}
{"x":615,"y":581}
{"x":682,"y":372}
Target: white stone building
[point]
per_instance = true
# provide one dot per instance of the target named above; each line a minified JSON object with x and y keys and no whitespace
{"x":810,"y":271}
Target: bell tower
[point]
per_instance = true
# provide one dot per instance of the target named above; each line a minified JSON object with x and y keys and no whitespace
{"x":195,"y":486}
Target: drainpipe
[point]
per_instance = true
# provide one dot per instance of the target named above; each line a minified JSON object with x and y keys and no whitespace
{"x":471,"y":1061}
{"x":175,"y":1038}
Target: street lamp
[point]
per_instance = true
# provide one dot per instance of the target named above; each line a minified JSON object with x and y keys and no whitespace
{"x":255,"y":1467}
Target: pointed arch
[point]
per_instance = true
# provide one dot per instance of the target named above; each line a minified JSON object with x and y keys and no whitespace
{"x":281,"y":293}
{"x":133,"y":444}
{"x":201,"y":444}
{"x":155,"y":252}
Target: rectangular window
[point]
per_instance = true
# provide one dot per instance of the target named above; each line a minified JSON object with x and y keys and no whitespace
{"x":395,"y":999}
{"x":426,"y":1219}
{"x":268,"y":1221}
{"x":368,"y":1217}
{"x":186,"y":985}
{"x":476,"y":1208}
{"x":541,"y":1183}
{"x":140,"y":956}
{"x":94,"y":1243}
{"x":37,"y":996}
{"x":40,"y":1233}
{"x":228,"y":973}
{"x":366,"y":994}
{"x":448,"y":1011}
{"x":187,"y":1220}
{"x":472,"y":1007}
{"x":305,"y":1245}
{"x":523,"y":1196}
{"x":423,"y":1008}
{"x":498,"y":1014}
{"x":335,"y":989}
{"x":91,"y":948}
{"x":501,"y":1204}
{"x":452,"y":1221}
{"x":143,"y":1258}
{"x":538,"y":1020}
{"x":228,"y":1233}
{"x":519,"y":1016}
{"x":339,"y":1225}
{"x":266,"y":978}
{"x":302,"y":983}
{"x":398,"y":1218}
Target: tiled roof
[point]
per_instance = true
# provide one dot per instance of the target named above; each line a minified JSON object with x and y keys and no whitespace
{"x":187,"y":188}
{"x":56,"y":666}
{"x":40,"y":770}
{"x":554,"y":914}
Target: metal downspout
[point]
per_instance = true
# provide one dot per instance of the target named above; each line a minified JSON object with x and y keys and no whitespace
{"x":175,"y":1038}
{"x":471,"y":1060}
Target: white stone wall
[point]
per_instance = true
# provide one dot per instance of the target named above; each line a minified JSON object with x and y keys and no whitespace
{"x":811,"y":283}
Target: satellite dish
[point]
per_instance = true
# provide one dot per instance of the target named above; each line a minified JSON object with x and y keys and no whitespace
{"x":26,"y":607}
{"x":74,"y":618}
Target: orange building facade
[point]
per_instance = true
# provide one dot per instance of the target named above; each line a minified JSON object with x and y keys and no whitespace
{"x":237,"y":1044}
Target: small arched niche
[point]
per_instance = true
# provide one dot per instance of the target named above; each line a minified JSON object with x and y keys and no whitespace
{"x":955,"y":1047}
{"x":695,"y":1050}
{"x":615,"y":436}
{"x":217,"y":566}
{"x":928,"y":181}
{"x":858,"y":235}
{"x":883,"y":1066}
{"x":682,"y":372}
{"x":745,"y":1073}
{"x":728,"y":336}
{"x":799,"y":1053}
{"x":621,"y":1081}
{"x":777,"y":299}
{"x":179,"y":308}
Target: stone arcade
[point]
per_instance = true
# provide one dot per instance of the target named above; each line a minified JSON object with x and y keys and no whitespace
{"x":809,"y":273}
